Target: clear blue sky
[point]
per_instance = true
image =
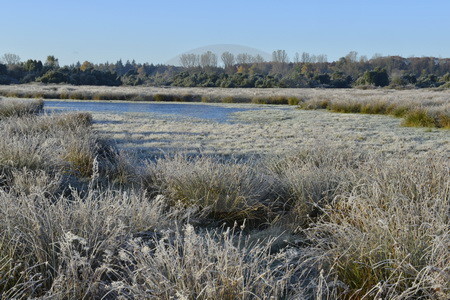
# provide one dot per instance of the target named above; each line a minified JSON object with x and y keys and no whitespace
{"x":155,"y":31}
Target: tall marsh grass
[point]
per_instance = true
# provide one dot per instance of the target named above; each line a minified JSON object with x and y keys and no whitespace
{"x":80,"y":220}
{"x":388,"y":238}
{"x":215,"y":265}
{"x":413,"y":113}
{"x":19,"y":108}
{"x":235,"y":191}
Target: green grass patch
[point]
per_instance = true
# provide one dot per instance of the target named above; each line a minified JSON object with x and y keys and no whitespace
{"x":420,"y":118}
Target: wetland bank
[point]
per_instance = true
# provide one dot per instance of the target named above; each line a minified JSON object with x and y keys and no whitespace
{"x":272,"y":201}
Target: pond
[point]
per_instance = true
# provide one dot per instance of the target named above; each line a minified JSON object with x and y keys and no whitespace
{"x":201,"y":111}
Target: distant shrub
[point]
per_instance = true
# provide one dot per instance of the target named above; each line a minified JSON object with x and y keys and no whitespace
{"x":3,"y":69}
{"x":323,"y":78}
{"x":376,"y":77}
{"x":446,"y":77}
{"x":397,"y":82}
{"x":409,"y":78}
{"x":428,"y":81}
{"x":53,"y":76}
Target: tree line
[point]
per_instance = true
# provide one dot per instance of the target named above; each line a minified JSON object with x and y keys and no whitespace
{"x":242,"y":70}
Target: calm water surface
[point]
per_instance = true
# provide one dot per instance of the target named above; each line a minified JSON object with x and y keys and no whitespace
{"x":201,"y":111}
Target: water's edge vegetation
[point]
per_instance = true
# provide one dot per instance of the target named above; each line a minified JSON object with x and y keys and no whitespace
{"x":416,"y":111}
{"x":81,"y":219}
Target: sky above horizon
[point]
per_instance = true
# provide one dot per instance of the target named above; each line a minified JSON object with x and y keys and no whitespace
{"x":156,"y":31}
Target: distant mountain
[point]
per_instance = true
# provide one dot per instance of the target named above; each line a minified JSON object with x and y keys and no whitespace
{"x":219,"y":49}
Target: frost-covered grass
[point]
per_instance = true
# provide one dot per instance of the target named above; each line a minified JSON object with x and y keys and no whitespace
{"x":19,"y":108}
{"x":266,"y":131}
{"x":420,"y":108}
{"x":331,"y":220}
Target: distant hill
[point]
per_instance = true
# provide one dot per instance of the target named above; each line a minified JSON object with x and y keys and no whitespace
{"x":219,"y":49}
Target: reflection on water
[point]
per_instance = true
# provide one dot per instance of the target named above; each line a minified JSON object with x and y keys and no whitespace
{"x":201,"y":111}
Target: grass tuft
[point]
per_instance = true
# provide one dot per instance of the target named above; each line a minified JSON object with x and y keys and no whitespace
{"x":9,"y":108}
{"x":420,"y":118}
{"x":388,"y":237}
{"x":271,"y":100}
{"x":222,"y":191}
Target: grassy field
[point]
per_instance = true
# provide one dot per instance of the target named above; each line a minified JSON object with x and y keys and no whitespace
{"x":291,"y":204}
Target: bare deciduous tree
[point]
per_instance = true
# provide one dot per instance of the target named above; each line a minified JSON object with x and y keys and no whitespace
{"x":208,"y":59}
{"x":189,"y":60}
{"x":306,"y":58}
{"x":10,"y":59}
{"x":352,"y":56}
{"x":228,"y":59}
{"x":258,"y":59}
{"x":280,"y":56}
{"x":244,"y":58}
{"x":321,"y":58}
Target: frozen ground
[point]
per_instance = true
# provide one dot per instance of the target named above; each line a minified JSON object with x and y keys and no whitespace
{"x":268,"y":131}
